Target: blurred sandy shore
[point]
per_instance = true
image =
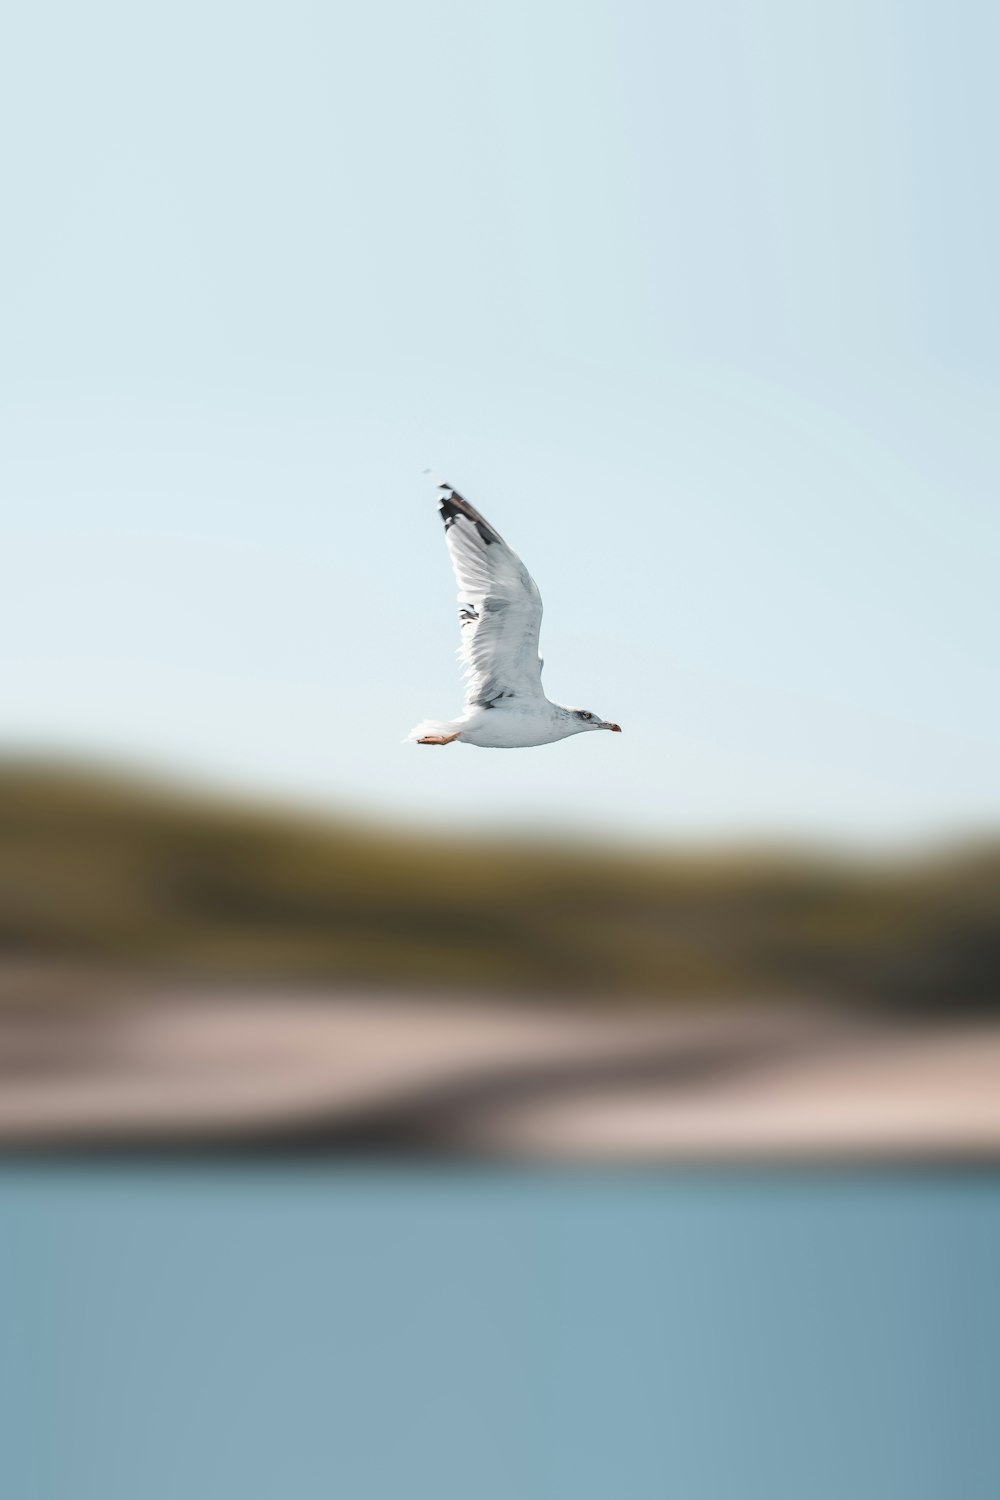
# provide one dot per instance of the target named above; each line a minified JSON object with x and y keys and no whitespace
{"x":362,"y":1072}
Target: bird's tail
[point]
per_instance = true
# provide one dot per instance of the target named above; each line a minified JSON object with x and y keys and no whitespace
{"x":432,"y":726}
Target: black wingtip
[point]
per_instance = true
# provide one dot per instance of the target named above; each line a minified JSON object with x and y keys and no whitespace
{"x":454,"y":508}
{"x":449,"y":511}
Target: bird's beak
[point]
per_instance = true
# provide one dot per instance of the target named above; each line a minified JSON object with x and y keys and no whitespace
{"x":615,"y":728}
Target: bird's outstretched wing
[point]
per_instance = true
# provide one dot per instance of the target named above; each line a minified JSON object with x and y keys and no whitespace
{"x":500,"y":608}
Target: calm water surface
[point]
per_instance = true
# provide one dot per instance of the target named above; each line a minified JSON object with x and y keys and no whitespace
{"x":320,"y":1332}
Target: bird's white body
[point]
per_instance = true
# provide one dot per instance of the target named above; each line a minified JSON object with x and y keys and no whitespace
{"x":501,"y":615}
{"x":506,"y":726}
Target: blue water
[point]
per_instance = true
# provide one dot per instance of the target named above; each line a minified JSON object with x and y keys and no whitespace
{"x":315,"y":1332}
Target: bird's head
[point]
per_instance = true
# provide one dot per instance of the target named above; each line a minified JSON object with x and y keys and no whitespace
{"x":582,"y":719}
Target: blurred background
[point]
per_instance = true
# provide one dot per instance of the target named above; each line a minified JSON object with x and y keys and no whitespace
{"x":700,"y":310}
{"x":187,"y":969}
{"x":698,"y":306}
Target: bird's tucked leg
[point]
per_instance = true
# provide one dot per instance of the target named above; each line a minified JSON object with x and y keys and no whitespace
{"x":438,"y":739}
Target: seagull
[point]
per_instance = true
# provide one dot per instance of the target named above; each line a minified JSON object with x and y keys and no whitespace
{"x":500,"y":614}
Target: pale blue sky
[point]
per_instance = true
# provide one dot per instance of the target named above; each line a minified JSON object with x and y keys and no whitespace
{"x":697,"y":303}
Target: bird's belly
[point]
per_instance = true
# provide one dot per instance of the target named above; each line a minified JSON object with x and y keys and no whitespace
{"x":509,"y":728}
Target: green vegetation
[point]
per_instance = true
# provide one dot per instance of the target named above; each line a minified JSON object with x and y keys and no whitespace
{"x":96,"y":869}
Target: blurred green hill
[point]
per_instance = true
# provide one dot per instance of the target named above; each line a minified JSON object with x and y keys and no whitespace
{"x":106,"y":870}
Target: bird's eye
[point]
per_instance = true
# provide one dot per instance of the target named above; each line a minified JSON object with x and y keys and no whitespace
{"x":585,"y":715}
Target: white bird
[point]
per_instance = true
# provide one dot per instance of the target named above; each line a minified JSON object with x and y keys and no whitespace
{"x":500,"y":612}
